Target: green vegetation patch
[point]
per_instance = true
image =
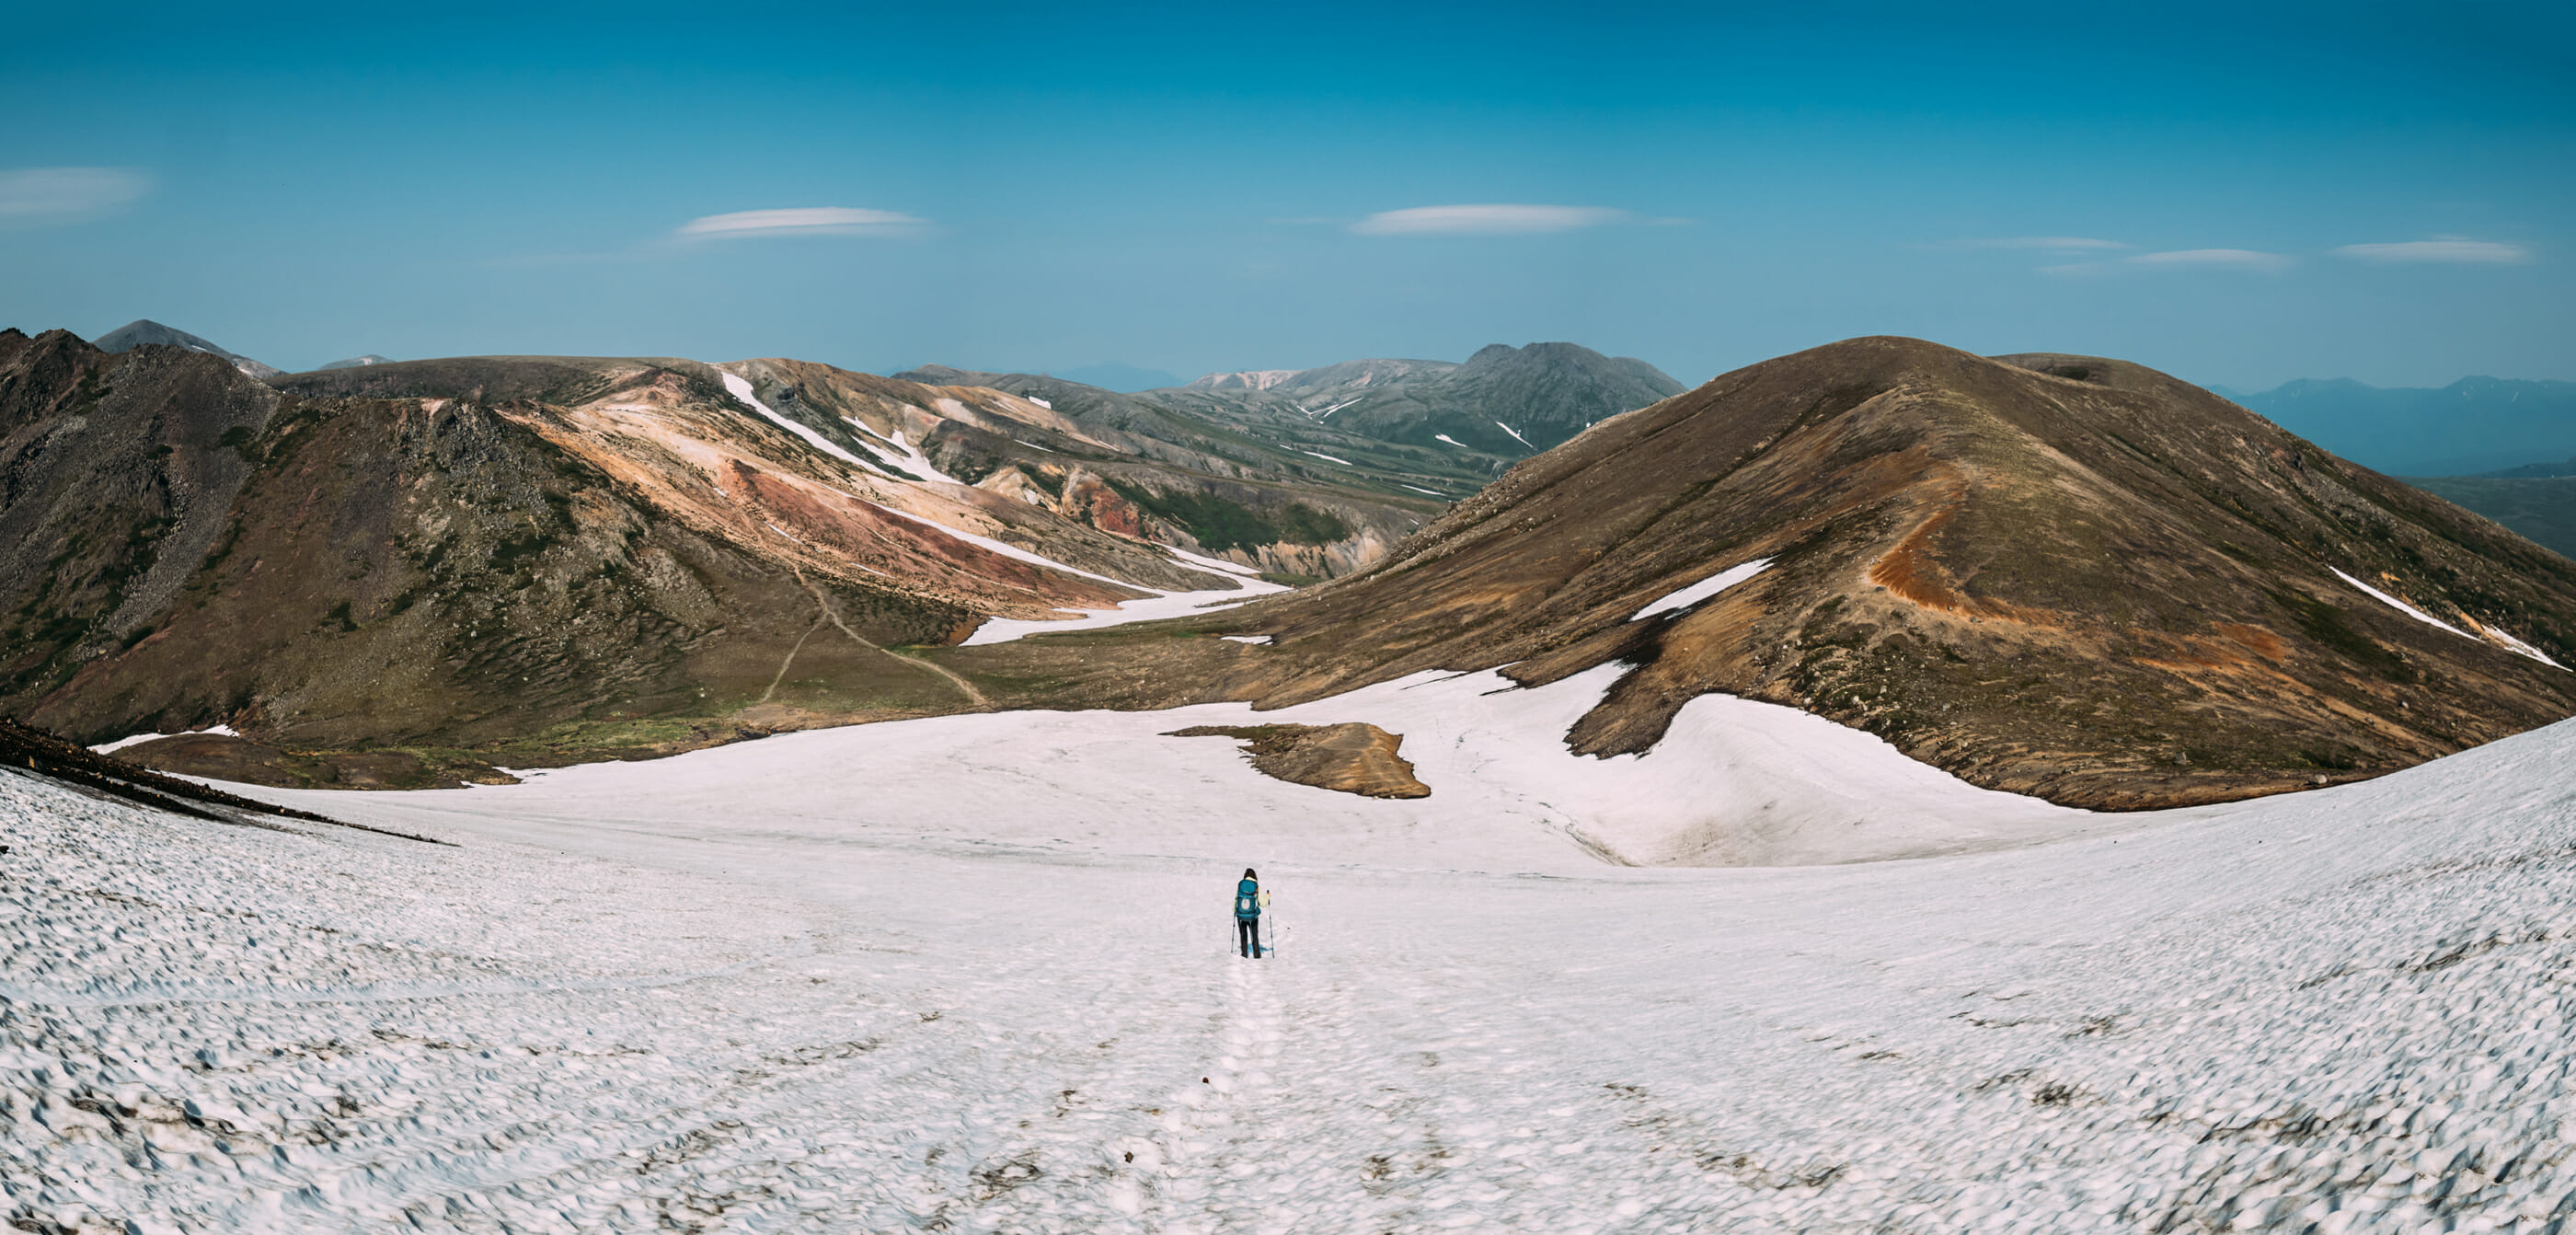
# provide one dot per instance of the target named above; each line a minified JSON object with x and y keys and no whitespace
{"x":1223,"y":523}
{"x":2320,"y":621}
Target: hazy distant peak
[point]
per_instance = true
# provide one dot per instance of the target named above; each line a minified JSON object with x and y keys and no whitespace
{"x":1118,"y":376}
{"x":355,"y":362}
{"x":142,"y":330}
{"x":1245,"y":379}
{"x":943,"y":375}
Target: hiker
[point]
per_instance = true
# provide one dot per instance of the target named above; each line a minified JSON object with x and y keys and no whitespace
{"x":1249,"y":897}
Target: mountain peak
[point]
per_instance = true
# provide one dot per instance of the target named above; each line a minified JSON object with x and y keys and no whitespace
{"x":143,"y":331}
{"x":1938,"y":544}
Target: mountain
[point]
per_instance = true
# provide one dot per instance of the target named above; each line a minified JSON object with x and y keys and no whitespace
{"x":1400,"y":428}
{"x":2534,"y":471}
{"x":1119,"y":377}
{"x":355,"y":362}
{"x":1507,"y":402}
{"x":1276,"y":444}
{"x":136,"y":333}
{"x":451,"y":564}
{"x":2063,"y":576}
{"x":2476,"y":424}
{"x":2540,"y":507}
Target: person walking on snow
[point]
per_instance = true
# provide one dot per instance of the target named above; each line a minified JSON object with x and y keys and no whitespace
{"x":1249,"y":899}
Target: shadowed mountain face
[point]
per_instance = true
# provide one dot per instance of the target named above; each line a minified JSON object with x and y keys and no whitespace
{"x":2064,"y":576}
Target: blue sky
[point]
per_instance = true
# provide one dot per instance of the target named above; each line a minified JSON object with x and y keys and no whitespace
{"x":2239,"y":194}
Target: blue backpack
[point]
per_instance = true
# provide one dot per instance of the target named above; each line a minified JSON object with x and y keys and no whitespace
{"x":1247,"y":901}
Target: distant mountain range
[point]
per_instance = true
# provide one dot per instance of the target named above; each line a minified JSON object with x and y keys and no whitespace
{"x":2472,"y":426}
{"x":1510,"y":402}
{"x":1436,"y":428}
{"x":359,"y":362}
{"x":2534,"y":471}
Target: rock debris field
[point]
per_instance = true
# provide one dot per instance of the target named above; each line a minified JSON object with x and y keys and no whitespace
{"x":837,"y":981}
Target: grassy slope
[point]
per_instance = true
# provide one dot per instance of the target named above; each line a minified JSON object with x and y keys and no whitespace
{"x":2541,"y":509}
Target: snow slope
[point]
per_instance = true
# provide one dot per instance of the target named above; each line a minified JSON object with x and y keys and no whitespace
{"x":970,"y":973}
{"x":1692,"y":594}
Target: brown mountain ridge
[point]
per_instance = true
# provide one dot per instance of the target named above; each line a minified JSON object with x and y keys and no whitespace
{"x":2065,"y":576}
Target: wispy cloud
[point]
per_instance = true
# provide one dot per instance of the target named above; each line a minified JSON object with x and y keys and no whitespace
{"x":2059,"y":244}
{"x":2176,"y":259}
{"x":2455,"y":249}
{"x":1485,"y":220}
{"x":42,"y":196}
{"x":2235,"y":259}
{"x":803,"y":221}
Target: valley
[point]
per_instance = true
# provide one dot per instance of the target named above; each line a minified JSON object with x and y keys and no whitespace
{"x":2061,"y":576}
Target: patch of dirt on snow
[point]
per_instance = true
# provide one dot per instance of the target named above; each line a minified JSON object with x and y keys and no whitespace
{"x":1346,"y":758}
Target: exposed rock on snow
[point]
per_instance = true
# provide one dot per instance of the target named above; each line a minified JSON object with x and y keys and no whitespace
{"x":1348,"y":758}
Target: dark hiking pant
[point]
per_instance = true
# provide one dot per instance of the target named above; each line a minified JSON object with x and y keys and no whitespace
{"x":1247,"y":931}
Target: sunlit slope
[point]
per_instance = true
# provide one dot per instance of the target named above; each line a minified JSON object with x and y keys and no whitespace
{"x":555,"y":557}
{"x":2070,"y":577}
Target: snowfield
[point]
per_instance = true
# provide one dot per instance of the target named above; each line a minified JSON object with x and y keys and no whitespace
{"x":971,"y":973}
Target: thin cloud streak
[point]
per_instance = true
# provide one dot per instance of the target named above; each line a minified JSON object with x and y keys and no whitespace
{"x":2459,"y":250}
{"x":1485,"y":220}
{"x":803,"y":221}
{"x":2064,"y":244}
{"x":2238,"y":259}
{"x":41,"y":196}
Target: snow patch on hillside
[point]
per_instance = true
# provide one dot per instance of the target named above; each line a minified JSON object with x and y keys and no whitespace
{"x":742,"y":392}
{"x":2508,"y":642}
{"x":1161,"y":605}
{"x":1154,"y":608}
{"x":1683,"y":598}
{"x":1003,"y":547}
{"x":904,"y":454}
{"x":136,"y":739}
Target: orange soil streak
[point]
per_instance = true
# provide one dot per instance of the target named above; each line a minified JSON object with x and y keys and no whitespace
{"x":1912,"y":571}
